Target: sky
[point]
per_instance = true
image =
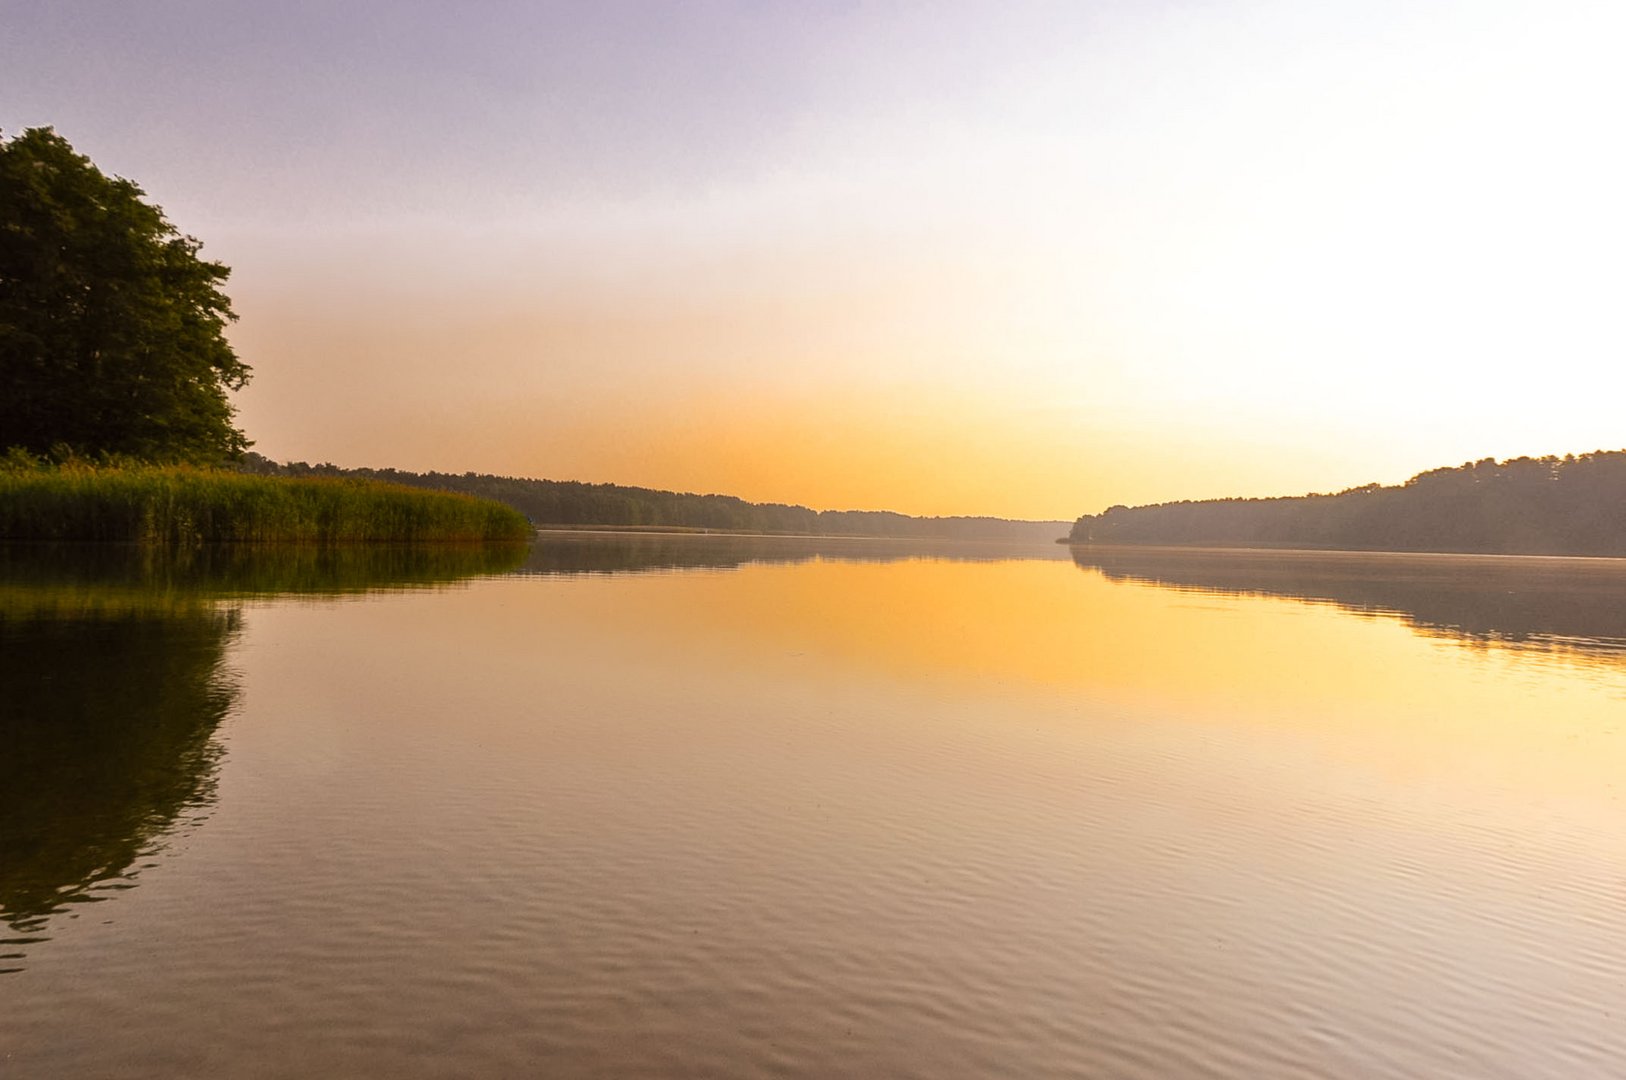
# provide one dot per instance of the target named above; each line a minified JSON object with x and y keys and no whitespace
{"x":1014,"y":258}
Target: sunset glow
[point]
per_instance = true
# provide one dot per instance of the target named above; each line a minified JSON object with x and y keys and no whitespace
{"x":1025,"y":260}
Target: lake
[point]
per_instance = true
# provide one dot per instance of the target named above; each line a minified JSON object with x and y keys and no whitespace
{"x":724,"y":807}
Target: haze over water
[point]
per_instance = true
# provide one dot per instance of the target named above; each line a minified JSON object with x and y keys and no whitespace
{"x":712,"y":807}
{"x":1029,"y":258}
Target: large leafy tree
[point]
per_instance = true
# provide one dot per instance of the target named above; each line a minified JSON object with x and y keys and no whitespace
{"x":112,"y":329}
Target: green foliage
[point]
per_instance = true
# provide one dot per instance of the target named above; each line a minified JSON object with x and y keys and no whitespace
{"x":570,"y":502}
{"x":112,"y":329}
{"x":1525,"y":506}
{"x":183,"y":505}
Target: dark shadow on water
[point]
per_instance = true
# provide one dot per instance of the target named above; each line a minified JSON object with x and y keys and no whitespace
{"x":114,"y":679}
{"x":1544,"y":604}
{"x":108,"y":728}
{"x":565,"y":552}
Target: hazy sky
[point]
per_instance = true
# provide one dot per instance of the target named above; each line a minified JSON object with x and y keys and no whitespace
{"x":1014,"y":258}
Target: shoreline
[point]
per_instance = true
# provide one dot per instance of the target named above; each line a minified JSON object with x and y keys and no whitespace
{"x":1353,"y":553}
{"x":687,"y":530}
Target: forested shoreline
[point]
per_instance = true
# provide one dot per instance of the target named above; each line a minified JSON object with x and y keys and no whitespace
{"x":1574,"y":505}
{"x":572,"y":502}
{"x":116,"y":421}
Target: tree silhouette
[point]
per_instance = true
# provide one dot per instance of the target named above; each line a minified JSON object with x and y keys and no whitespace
{"x":112,"y":329}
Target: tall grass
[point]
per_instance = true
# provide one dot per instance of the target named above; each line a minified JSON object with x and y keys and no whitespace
{"x":179,"y":505}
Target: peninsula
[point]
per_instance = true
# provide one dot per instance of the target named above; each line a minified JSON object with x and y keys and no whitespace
{"x":572,"y":503}
{"x":1574,"y":505}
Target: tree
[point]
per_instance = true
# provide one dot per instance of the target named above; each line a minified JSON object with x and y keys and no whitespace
{"x":112,"y":329}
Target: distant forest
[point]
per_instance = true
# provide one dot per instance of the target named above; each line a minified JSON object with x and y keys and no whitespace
{"x":573,"y":503}
{"x":1524,"y":506}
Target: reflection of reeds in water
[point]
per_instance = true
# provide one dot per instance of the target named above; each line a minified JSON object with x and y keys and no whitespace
{"x":110,"y":579}
{"x":112,"y":663}
{"x":1529,"y":602}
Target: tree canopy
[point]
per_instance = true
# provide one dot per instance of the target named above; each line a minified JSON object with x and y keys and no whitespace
{"x":112,"y":328}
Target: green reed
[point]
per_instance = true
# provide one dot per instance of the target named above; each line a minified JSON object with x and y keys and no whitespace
{"x":180,"y":505}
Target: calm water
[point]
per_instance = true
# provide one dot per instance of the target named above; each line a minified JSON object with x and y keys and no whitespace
{"x":655,"y":806}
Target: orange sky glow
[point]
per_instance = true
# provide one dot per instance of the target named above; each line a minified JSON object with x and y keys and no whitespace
{"x":1027,"y":260}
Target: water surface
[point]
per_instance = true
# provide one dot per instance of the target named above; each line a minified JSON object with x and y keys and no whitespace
{"x":704,"y":806}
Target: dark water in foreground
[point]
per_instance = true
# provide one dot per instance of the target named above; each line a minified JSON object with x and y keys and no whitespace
{"x":701,"y":806}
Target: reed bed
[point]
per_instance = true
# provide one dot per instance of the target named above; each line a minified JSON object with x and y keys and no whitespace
{"x":178,"y":505}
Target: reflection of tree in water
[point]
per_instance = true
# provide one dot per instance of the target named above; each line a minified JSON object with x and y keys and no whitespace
{"x":1570,"y":605}
{"x":107,"y":729}
{"x":112,"y":684}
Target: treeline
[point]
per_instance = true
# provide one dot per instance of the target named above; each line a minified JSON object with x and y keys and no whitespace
{"x":571,"y":502}
{"x":1523,"y":506}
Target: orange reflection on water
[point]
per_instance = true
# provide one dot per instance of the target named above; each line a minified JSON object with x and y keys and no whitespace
{"x":1362,"y":685}
{"x":907,"y":817}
